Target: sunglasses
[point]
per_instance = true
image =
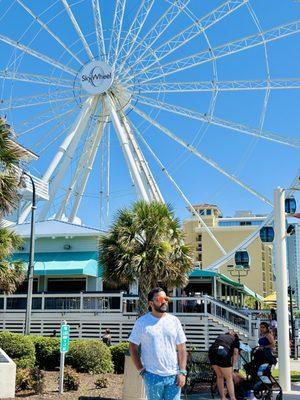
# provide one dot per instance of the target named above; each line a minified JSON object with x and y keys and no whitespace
{"x":161,"y":299}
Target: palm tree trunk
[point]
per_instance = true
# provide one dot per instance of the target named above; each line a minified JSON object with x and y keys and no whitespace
{"x":144,"y":289}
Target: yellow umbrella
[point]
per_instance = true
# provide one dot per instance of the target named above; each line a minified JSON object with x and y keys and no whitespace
{"x":271,"y":298}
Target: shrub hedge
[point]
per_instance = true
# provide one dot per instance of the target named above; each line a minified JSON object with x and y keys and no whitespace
{"x":118,"y":353}
{"x":89,"y":356}
{"x":47,"y":352}
{"x":18,"y":347}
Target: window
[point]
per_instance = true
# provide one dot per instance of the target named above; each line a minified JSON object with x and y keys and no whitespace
{"x":199,"y":238}
{"x":66,"y":285}
{"x":199,"y":257}
{"x":208,"y":212}
{"x":199,"y":248}
{"x":202,"y":212}
{"x":245,"y":223}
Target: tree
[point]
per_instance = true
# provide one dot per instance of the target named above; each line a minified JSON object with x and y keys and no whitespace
{"x":146,"y":243}
{"x":11,"y":155}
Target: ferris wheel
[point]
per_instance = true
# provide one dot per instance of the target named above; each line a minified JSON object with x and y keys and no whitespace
{"x":170,"y":80}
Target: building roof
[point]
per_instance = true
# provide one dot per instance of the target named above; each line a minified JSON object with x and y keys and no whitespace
{"x":62,"y":264}
{"x":55,"y":228}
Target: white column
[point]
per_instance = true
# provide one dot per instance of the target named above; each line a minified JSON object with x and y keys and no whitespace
{"x":281,"y":289}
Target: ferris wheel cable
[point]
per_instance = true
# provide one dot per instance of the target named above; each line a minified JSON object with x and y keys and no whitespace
{"x":200,"y":155}
{"x":221,"y":86}
{"x":115,"y":36}
{"x":99,"y":28}
{"x":44,"y":25}
{"x":23,"y":102}
{"x":80,"y":166}
{"x":67,"y":150}
{"x":165,"y":171}
{"x":46,"y":122}
{"x":77,"y":29}
{"x":157,"y":30}
{"x":134,"y":31}
{"x":227,"y":49}
{"x":234,"y":126}
{"x":196,"y":28}
{"x":35,"y":78}
{"x":108,"y":191}
{"x":37,"y":54}
{"x":87,"y":171}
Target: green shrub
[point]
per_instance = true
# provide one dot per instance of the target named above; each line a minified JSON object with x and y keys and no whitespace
{"x":89,"y":356}
{"x":101,"y":382}
{"x":47,"y":352}
{"x":297,"y":314}
{"x":118,"y":353}
{"x":30,"y":378}
{"x":71,"y":379}
{"x":18,"y":347}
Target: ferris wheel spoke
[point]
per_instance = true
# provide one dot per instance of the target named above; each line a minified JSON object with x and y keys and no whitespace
{"x":220,"y":86}
{"x":36,"y":54}
{"x":44,"y":26}
{"x":200,"y":155}
{"x":234,"y":126}
{"x":54,"y":140}
{"x":116,"y":31}
{"x":156,"y":31}
{"x":99,"y":28}
{"x":30,"y":101}
{"x":133,"y":32}
{"x":198,"y":27}
{"x":221,"y":51}
{"x":44,"y":121}
{"x":35,"y":78}
{"x":77,"y":29}
{"x":188,"y":203}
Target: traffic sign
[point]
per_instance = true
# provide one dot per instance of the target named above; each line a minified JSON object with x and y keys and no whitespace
{"x":64,"y":338}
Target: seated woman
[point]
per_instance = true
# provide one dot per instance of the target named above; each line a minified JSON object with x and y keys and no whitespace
{"x":266,"y":344}
{"x":223,"y":356}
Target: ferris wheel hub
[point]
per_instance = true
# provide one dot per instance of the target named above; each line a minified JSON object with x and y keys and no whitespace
{"x":96,"y":77}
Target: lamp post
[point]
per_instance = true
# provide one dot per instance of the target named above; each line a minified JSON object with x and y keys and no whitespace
{"x":31,"y":259}
{"x":281,"y":289}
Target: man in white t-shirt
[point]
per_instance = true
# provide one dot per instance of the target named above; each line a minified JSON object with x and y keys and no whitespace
{"x":162,"y":363}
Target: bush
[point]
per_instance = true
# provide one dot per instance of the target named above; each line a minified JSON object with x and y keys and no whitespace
{"x":101,"y":382}
{"x":89,"y":356}
{"x":18,"y":347}
{"x":27,"y":379}
{"x":118,"y":353}
{"x":47,"y":352}
{"x":71,"y":379}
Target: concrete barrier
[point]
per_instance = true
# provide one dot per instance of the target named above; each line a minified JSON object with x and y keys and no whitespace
{"x":8,"y":376}
{"x":133,"y":388}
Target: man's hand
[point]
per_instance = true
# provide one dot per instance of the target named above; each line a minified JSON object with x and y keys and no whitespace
{"x":180,"y":380}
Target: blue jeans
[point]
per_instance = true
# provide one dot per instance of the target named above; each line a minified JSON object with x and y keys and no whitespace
{"x":161,"y":387}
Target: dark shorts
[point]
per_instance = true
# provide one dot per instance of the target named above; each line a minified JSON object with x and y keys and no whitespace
{"x":221,"y":358}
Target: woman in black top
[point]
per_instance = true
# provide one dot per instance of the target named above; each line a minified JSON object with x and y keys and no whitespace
{"x":223,"y":356}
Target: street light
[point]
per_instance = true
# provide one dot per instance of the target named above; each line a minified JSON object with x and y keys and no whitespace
{"x":31,"y":258}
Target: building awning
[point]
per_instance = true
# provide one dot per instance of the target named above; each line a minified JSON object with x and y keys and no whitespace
{"x":251,"y":293}
{"x":64,"y":263}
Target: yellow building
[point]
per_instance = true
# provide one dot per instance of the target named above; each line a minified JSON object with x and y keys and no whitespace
{"x":230,"y":232}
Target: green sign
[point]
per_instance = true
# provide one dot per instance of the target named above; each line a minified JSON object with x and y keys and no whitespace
{"x":64,"y":338}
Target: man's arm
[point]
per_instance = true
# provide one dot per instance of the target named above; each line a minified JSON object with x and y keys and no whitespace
{"x":182,"y":358}
{"x":134,"y":353}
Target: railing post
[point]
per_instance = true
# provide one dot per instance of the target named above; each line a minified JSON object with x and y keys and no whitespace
{"x":81,"y":302}
{"x":205,"y":305}
{"x":43,"y":301}
{"x":5,"y":303}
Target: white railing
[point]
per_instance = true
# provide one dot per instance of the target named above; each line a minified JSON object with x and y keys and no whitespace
{"x":127,"y":305}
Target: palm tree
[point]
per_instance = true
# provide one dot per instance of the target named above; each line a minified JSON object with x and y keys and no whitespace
{"x":145,"y":244}
{"x":11,"y":156}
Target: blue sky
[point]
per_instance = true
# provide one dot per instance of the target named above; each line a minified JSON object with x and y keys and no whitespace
{"x":261,"y":164}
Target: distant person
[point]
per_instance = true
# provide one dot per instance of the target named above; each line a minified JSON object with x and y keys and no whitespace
{"x":54,"y":333}
{"x":273,"y":322}
{"x":223,"y":356}
{"x":106,"y":338}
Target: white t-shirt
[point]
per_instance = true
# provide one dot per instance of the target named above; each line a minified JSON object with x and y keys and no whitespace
{"x":158,"y":338}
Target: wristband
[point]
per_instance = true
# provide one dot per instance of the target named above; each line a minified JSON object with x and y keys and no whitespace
{"x":183,"y":372}
{"x":142,"y":371}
